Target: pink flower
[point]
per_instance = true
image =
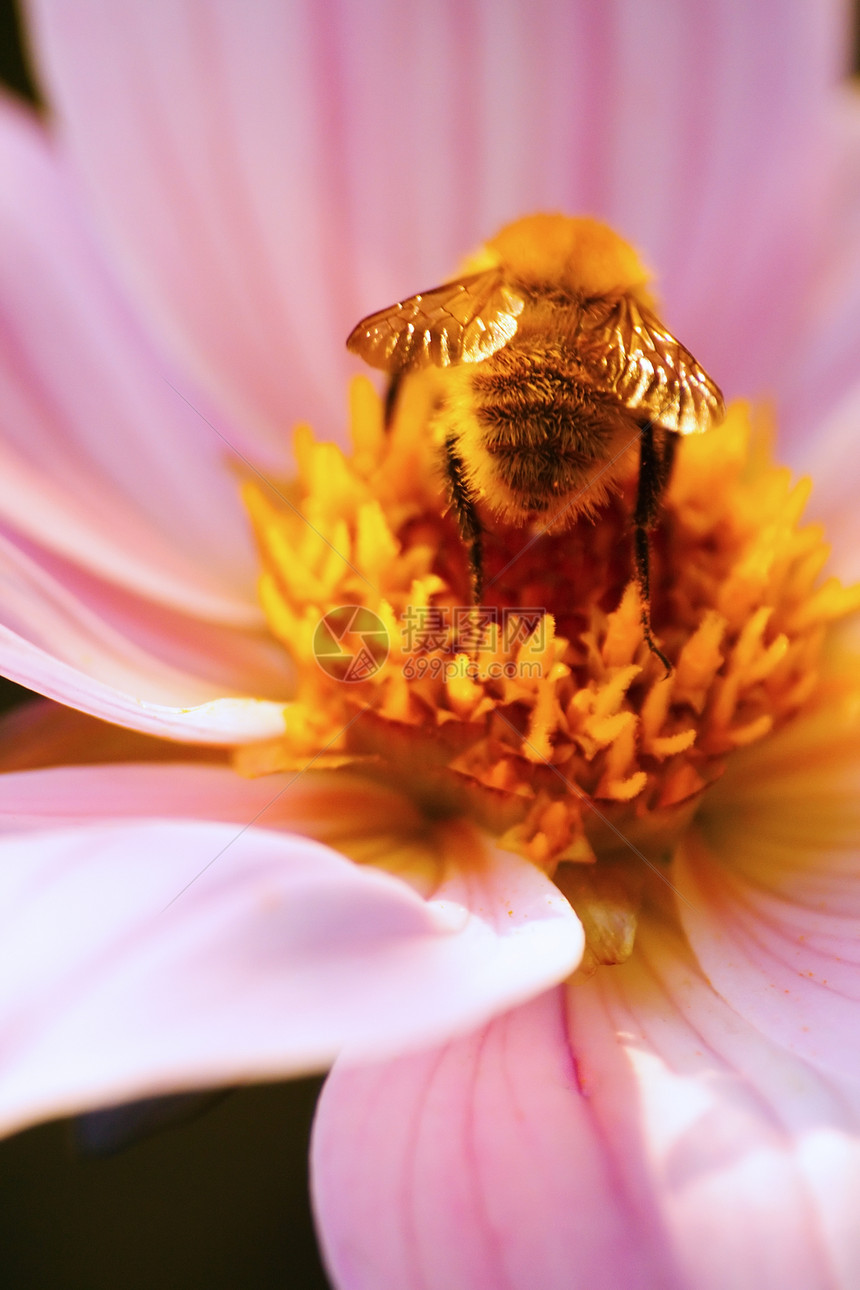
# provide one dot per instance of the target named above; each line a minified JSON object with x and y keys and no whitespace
{"x":220,"y":193}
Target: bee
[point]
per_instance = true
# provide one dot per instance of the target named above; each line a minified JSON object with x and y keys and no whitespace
{"x":552,"y":366}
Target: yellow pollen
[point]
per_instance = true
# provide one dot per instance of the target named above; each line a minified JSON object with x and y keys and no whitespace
{"x":540,"y":714}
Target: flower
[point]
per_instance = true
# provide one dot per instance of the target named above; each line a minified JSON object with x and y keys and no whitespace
{"x":216,"y":203}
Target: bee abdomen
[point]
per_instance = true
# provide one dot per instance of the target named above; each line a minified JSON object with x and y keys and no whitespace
{"x":537,"y":400}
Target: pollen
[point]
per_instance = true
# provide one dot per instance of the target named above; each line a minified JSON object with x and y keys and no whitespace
{"x":540,"y":714}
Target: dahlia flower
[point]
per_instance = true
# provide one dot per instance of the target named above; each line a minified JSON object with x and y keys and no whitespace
{"x":578,"y":938}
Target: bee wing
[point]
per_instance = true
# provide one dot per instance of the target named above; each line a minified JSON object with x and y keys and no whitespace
{"x":626,"y":350}
{"x":464,"y":321}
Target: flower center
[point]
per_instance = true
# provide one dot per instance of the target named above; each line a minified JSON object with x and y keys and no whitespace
{"x":541,"y":714}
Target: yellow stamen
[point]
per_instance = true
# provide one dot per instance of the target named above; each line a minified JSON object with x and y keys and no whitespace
{"x":545,"y":702}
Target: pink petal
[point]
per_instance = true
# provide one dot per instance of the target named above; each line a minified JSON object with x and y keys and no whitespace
{"x":39,"y":733}
{"x":626,"y":1131}
{"x":79,"y":641}
{"x":356,"y":816}
{"x":265,"y":178}
{"x":343,"y":812}
{"x":826,"y":451}
{"x":60,"y":796}
{"x":101,"y":461}
{"x":114,"y":634}
{"x":769,"y":884}
{"x":757,"y":146}
{"x":91,"y":772}
{"x":822,"y":380}
{"x":152,"y":956}
{"x":141,"y":699}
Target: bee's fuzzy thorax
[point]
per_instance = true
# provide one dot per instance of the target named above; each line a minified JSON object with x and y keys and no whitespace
{"x":580,"y":254}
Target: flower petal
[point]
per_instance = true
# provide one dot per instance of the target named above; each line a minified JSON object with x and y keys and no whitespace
{"x":757,"y":146}
{"x":824,"y":373}
{"x":820,"y":402}
{"x":344,"y":812}
{"x":279,"y":174}
{"x":769,"y":884}
{"x":114,"y":633}
{"x":625,"y":1131}
{"x":826,"y":451}
{"x":212,"y":720}
{"x":60,"y":796}
{"x":140,"y":958}
{"x":86,"y":644}
{"x":62,"y":767}
{"x":39,"y":734}
{"x":101,"y":461}
{"x":369,"y":822}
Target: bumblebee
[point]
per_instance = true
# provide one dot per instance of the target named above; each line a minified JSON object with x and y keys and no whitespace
{"x":552,"y":367}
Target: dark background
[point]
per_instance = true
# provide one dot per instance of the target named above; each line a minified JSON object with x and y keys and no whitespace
{"x":218,"y":1203}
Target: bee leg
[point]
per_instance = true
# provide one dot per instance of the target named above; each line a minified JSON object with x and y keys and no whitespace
{"x":467,"y":517}
{"x":655,"y":466}
{"x":665,"y":460}
{"x":391,"y":397}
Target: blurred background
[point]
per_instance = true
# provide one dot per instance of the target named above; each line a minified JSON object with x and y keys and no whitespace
{"x":217,"y":1203}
